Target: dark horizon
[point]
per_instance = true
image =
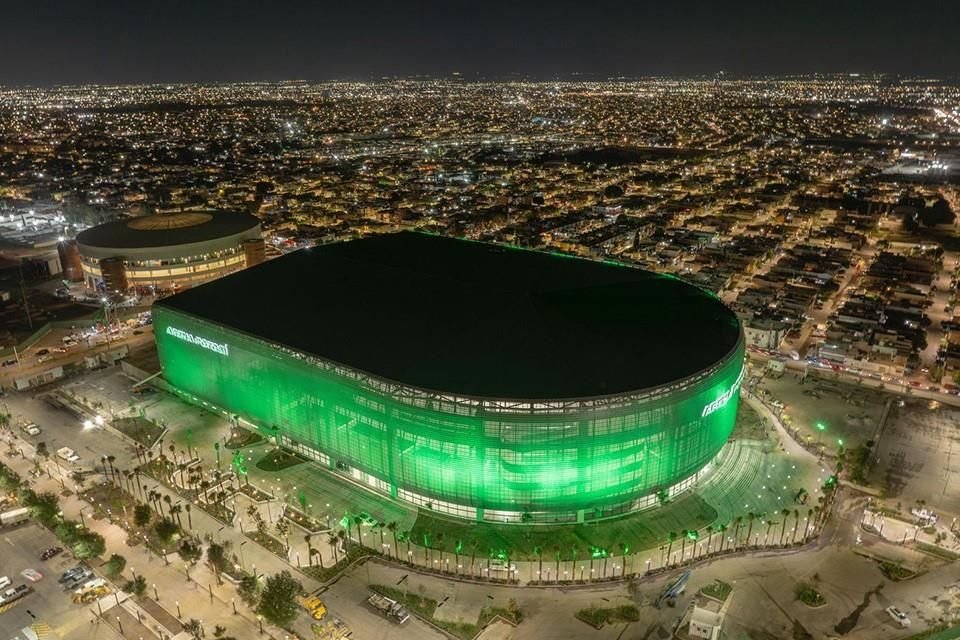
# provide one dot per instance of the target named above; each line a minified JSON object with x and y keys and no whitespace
{"x":112,"y":42}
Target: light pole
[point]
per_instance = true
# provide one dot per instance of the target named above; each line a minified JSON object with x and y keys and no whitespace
{"x":179,"y":615}
{"x":155,"y":594}
{"x":242,"y":565}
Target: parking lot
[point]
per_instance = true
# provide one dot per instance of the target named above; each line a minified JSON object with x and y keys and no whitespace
{"x":49,"y":605}
{"x":919,"y":458}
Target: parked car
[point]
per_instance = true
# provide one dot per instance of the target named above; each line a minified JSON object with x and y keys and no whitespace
{"x":899,"y":617}
{"x":32,"y":575}
{"x":49,"y":553}
{"x":69,"y":574}
{"x":43,"y":352}
{"x":4,"y":582}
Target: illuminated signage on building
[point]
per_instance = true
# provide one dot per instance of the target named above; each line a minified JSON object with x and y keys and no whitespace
{"x":722,"y":401}
{"x":217,"y":347}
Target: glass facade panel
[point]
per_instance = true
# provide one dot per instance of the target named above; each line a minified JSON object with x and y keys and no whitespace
{"x":465,"y":453}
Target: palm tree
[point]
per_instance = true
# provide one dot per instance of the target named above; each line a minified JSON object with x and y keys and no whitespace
{"x":556,"y":551}
{"x":168,"y":500}
{"x":736,"y":531}
{"x":181,"y":468}
{"x":709,"y":538}
{"x":672,"y":537}
{"x":357,"y":520}
{"x":113,"y":471}
{"x":306,"y":539}
{"x":175,"y":510}
{"x":783,"y":530}
{"x":136,"y":475}
{"x":796,"y":524}
{"x":537,"y":551}
{"x":392,"y":528}
{"x":426,"y":545}
{"x":683,"y":544}
{"x":439,"y":541}
{"x":750,"y":518}
{"x":806,"y":525}
{"x":474,"y":544}
{"x":332,"y":540}
{"x":204,"y":485}
{"x":189,"y":519}
{"x":623,"y":553}
{"x":173,"y":451}
{"x":722,"y":530}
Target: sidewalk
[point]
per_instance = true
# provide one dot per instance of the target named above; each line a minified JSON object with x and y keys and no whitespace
{"x":200,"y":597}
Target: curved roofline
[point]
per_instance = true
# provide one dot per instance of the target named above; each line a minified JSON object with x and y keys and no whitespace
{"x":664,"y":387}
{"x":117,"y":236}
{"x":166,"y":250}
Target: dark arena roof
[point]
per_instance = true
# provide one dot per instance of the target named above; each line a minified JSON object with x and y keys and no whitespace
{"x":475,"y":319}
{"x":167,"y":229}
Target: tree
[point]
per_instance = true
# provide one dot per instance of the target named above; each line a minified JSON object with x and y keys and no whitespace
{"x":392,"y":528}
{"x":189,"y":519}
{"x":142,"y":514}
{"x":249,"y":590}
{"x":194,"y":627}
{"x":137,"y":586}
{"x":42,"y":451}
{"x":217,"y":558}
{"x":174,"y":511}
{"x":306,"y":539}
{"x":283,"y":529}
{"x":672,"y":537}
{"x":783,"y":530}
{"x":333,"y":540}
{"x":189,"y":551}
{"x":88,"y":544}
{"x":166,"y":529}
{"x":43,"y":506}
{"x":77,"y":479}
{"x":278,"y":601}
{"x":115,"y":565}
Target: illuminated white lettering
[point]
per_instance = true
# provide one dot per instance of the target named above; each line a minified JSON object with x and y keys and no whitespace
{"x":217,"y":347}
{"x":722,"y":401}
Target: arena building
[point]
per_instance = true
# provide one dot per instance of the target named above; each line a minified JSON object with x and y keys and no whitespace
{"x":476,"y":380}
{"x":168,"y":251}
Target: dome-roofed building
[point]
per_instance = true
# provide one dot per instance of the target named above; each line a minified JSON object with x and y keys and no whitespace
{"x":168,"y":250}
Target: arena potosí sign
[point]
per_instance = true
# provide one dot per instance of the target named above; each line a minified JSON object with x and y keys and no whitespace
{"x":220,"y":348}
{"x":722,"y":401}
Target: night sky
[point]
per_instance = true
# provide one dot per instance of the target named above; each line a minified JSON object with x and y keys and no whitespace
{"x":116,"y":41}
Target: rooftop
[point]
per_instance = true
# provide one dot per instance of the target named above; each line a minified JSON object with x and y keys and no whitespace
{"x":474,"y":319}
{"x":167,"y":229}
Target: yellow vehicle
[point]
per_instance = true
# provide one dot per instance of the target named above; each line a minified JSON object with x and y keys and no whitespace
{"x":315,"y":606}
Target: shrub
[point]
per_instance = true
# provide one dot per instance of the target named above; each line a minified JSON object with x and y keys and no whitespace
{"x":115,"y":565}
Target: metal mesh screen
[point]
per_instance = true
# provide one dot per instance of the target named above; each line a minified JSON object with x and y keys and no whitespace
{"x":496,"y":455}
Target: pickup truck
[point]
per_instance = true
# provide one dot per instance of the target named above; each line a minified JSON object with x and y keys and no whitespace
{"x":389,"y":608}
{"x":68,"y":454}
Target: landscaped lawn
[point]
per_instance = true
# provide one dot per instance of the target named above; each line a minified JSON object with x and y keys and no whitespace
{"x":637,"y":531}
{"x":140,"y":429}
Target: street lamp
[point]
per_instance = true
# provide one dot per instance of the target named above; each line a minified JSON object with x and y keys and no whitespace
{"x":820,"y":429}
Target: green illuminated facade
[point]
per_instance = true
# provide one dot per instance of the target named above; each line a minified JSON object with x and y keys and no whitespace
{"x":563,"y":460}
